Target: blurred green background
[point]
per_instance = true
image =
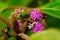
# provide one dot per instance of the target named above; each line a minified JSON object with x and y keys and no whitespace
{"x":52,"y":20}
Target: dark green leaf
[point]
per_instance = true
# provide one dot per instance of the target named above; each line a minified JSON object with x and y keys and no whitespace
{"x":53,"y":22}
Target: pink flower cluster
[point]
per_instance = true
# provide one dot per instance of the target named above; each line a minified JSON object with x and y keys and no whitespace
{"x":37,"y":25}
{"x":16,"y":11}
{"x":35,"y":15}
{"x":19,"y":24}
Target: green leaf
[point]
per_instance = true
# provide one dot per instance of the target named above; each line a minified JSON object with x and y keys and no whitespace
{"x":45,"y":1}
{"x":29,"y":32}
{"x":12,"y":38}
{"x":10,"y":31}
{"x":25,"y":15}
{"x":49,"y":34}
{"x":6,"y":15}
{"x":52,"y":9}
{"x":2,"y":25}
{"x":53,"y":22}
{"x":0,"y":33}
{"x":1,"y":37}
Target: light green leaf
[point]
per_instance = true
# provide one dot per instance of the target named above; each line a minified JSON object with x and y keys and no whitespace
{"x":52,"y":9}
{"x":49,"y":34}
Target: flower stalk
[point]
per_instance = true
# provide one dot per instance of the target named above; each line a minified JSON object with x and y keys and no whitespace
{"x":35,"y":22}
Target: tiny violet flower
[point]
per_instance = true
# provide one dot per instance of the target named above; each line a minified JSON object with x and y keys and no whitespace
{"x":16,"y":11}
{"x":42,"y":15}
{"x":21,"y":10}
{"x":34,"y":14}
{"x":19,"y":24}
{"x":30,"y":26}
{"x":38,"y":27}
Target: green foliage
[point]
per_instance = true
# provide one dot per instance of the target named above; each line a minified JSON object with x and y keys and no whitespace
{"x":2,"y":25}
{"x":1,"y":37}
{"x":29,"y":32}
{"x":11,"y":38}
{"x":25,"y":15}
{"x":45,"y":1}
{"x":6,"y":15}
{"x":53,"y":19}
{"x":0,"y":33}
{"x":52,"y":9}
{"x":49,"y":34}
{"x":10,"y":31}
{"x":53,"y":22}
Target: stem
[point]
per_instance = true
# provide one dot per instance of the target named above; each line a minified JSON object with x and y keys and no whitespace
{"x":13,"y":23}
{"x":44,"y":24}
{"x":14,"y":34}
{"x":5,"y":21}
{"x":29,"y":19}
{"x":5,"y":35}
{"x":23,"y":28}
{"x":24,"y":36}
{"x":18,"y":7}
